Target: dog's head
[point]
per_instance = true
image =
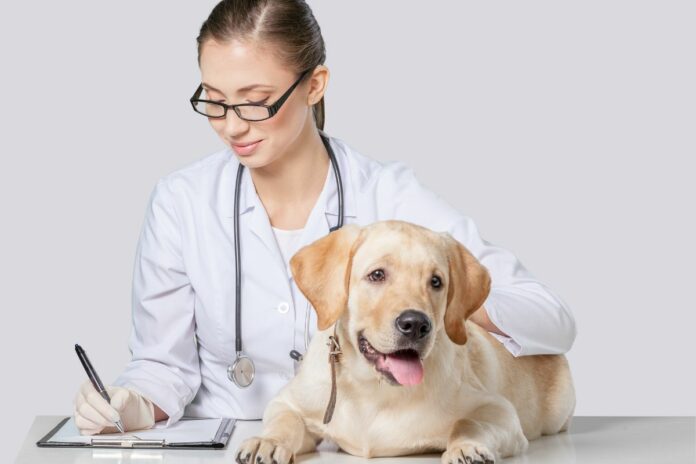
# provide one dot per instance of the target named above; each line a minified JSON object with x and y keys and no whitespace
{"x":397,"y":286}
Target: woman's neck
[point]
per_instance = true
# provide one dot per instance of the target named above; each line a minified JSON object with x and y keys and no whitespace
{"x":290,"y":186}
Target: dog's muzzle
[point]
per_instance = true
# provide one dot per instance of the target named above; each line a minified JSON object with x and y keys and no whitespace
{"x":403,"y":366}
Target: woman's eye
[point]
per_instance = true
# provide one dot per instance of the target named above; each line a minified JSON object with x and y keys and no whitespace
{"x":260,"y":102}
{"x":376,"y":276}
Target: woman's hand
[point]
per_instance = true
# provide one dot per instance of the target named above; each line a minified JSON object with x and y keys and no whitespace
{"x":94,"y":415}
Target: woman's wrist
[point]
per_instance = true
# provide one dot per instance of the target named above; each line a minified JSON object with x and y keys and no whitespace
{"x":480,"y":317}
{"x":159,"y":414}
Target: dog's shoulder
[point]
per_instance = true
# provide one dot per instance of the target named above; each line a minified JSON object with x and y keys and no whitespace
{"x":308,"y":392}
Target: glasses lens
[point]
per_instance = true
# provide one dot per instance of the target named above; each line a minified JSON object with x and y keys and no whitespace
{"x":253,"y":112}
{"x":212,"y":110}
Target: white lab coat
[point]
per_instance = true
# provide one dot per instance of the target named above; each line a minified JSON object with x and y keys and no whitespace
{"x":183,"y":334}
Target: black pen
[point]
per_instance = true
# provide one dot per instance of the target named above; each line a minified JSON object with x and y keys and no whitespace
{"x":92,"y":374}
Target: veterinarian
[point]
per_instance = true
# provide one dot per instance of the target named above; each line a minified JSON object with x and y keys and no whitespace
{"x":184,"y":339}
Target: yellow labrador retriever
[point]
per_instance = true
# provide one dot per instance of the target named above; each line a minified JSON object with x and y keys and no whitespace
{"x":396,"y":368}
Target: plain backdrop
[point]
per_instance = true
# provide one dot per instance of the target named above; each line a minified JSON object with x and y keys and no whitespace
{"x":566,"y":130}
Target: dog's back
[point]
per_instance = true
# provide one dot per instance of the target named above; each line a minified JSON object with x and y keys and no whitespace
{"x":539,"y":386}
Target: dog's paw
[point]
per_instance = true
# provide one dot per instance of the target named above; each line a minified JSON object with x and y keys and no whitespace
{"x":468,"y":452}
{"x":257,"y":450}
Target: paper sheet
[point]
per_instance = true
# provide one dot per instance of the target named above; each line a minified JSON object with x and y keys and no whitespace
{"x":183,"y":431}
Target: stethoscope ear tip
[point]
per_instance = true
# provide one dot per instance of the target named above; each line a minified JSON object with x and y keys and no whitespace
{"x":294,"y":354}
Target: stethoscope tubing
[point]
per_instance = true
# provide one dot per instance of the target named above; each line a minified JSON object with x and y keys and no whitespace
{"x":237,"y":254}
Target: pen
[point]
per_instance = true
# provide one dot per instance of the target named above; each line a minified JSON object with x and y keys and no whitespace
{"x":92,"y":374}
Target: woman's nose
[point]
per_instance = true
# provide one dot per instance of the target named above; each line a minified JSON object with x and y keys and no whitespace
{"x":234,"y":125}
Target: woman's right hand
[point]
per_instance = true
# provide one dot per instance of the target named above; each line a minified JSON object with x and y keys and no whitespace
{"x":93,"y":414}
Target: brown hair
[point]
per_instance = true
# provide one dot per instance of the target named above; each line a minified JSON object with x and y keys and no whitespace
{"x":287,"y":25}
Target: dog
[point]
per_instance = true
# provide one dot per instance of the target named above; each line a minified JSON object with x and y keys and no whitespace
{"x":404,"y":371}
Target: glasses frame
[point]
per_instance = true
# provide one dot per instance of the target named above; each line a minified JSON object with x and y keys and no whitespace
{"x":272,"y":108}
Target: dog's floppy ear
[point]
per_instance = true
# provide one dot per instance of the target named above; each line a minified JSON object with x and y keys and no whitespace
{"x":469,"y":285}
{"x":322,"y":272}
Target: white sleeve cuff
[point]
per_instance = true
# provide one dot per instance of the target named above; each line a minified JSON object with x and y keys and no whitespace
{"x":534,"y":323}
{"x":151,"y":380}
{"x":508,"y":342}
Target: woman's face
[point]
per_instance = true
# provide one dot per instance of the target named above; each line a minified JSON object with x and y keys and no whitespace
{"x":239,"y":72}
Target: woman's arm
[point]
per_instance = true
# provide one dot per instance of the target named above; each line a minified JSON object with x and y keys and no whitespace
{"x":481,"y":318}
{"x":165,"y":366}
{"x":520,"y":311}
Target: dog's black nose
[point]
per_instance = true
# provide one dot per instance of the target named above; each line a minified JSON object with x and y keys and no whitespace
{"x":413,"y":324}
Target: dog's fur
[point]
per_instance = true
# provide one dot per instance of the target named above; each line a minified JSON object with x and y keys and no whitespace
{"x":475,"y":400}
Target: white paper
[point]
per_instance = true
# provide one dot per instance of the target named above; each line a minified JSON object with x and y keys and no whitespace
{"x":183,"y":431}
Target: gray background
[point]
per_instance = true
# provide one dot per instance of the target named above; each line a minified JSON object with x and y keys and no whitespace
{"x":565,"y":130}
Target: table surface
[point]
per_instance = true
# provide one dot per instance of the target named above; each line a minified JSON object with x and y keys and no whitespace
{"x":589,"y":440}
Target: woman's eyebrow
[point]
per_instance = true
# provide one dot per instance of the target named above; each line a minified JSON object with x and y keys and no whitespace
{"x":243,"y":89}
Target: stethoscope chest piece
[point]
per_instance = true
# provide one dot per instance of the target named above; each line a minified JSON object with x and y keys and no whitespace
{"x":242,"y":371}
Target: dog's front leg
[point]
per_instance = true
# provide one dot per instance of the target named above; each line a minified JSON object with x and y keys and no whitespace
{"x":491,"y":431}
{"x":284,"y":436}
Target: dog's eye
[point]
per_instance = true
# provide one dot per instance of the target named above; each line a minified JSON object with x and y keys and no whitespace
{"x":377,"y":275}
{"x":436,"y":282}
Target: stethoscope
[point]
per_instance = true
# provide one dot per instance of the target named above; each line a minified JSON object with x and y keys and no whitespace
{"x":242,"y":370}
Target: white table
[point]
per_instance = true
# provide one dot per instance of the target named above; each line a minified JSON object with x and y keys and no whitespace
{"x":590,"y":440}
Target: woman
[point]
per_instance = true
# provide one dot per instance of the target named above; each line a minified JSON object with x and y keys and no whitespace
{"x":183,"y":342}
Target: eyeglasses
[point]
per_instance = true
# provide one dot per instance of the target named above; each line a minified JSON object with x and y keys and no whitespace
{"x":246,"y":111}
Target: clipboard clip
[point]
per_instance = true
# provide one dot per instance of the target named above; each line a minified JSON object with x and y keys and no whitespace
{"x":127,"y":442}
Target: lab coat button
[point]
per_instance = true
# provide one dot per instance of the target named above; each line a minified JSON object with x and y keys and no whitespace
{"x":283,"y":307}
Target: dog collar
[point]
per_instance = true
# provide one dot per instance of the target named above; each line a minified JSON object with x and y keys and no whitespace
{"x":334,"y":354}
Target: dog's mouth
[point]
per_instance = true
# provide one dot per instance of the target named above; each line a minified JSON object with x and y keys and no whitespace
{"x":401,"y":367}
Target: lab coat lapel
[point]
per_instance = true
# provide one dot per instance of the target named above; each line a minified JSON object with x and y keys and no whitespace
{"x":250,"y":206}
{"x":317,"y":226}
{"x":259,"y":223}
{"x":324,"y":215}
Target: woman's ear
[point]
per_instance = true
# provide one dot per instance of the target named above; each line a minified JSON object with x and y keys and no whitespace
{"x":469,"y":286}
{"x":322,"y":272}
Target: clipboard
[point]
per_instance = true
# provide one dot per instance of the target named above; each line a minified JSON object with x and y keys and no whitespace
{"x":151,"y":438}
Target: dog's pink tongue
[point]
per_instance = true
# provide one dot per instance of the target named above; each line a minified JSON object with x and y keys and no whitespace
{"x":406,"y":370}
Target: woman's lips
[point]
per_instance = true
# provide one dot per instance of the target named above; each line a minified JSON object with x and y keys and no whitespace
{"x":245,"y":149}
